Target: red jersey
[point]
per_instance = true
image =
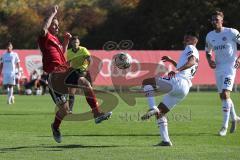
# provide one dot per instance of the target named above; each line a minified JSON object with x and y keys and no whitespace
{"x":52,"y":52}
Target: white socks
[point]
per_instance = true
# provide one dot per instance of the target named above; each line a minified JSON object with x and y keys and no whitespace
{"x":232,"y":111}
{"x":163,"y":127}
{"x":226,"y":107}
{"x":10,"y":93}
{"x":149,"y":92}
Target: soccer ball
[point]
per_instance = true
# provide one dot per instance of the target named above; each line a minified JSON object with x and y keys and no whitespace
{"x":122,"y":60}
{"x":28,"y":91}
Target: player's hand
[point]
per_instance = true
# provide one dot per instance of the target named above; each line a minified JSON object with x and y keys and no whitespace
{"x":53,"y":10}
{"x":67,"y":36}
{"x":212,"y":64}
{"x":237,"y":63}
{"x":166,"y":59}
{"x":172,"y":74}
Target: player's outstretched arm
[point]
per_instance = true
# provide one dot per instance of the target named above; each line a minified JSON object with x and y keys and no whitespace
{"x":169,"y":59}
{"x":48,"y":20}
{"x":192,"y":60}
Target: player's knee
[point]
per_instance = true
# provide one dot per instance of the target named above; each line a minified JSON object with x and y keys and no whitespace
{"x":147,"y":88}
{"x":148,"y":81}
{"x":63,"y":111}
{"x":84,"y":82}
{"x":225,"y":94}
{"x":144,"y":82}
{"x":163,"y":108}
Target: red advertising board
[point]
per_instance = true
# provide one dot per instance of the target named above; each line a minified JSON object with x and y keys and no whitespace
{"x":145,"y":64}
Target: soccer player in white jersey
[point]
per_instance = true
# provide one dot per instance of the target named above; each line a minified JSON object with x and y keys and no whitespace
{"x":175,"y":86}
{"x":8,"y":64}
{"x":223,"y":41}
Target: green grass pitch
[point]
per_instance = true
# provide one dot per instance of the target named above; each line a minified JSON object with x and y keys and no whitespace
{"x":193,"y":125}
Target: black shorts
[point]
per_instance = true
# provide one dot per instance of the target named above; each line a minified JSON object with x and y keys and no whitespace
{"x":72,"y":79}
{"x":58,"y":98}
{"x":58,"y":84}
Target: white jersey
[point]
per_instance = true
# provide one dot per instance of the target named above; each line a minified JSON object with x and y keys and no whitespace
{"x":189,"y":50}
{"x":9,"y":61}
{"x":224,"y":45}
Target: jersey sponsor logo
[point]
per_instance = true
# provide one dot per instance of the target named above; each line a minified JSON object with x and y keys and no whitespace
{"x":220,"y":47}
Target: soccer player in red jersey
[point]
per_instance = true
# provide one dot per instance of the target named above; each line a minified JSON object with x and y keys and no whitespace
{"x":53,"y":57}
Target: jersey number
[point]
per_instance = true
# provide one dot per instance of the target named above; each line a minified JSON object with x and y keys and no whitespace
{"x":227,"y":81}
{"x":194,"y":70}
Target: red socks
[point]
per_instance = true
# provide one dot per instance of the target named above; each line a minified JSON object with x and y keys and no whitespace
{"x":92,"y":101}
{"x":57,"y":121}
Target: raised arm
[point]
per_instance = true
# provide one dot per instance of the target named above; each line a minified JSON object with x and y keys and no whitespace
{"x":169,"y":59}
{"x":192,"y":60}
{"x":48,"y":20}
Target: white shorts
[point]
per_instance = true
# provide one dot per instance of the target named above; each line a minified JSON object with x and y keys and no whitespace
{"x":225,"y":79}
{"x":180,"y":88}
{"x":9,"y":78}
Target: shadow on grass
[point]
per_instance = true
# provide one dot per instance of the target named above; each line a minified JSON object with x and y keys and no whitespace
{"x":194,"y":134}
{"x":16,"y":148}
{"x":70,"y":146}
{"x":24,"y":114}
{"x":55,"y":147}
{"x":108,"y":135}
{"x":138,"y":135}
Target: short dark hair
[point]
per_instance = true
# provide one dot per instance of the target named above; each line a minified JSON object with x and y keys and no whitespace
{"x":75,"y":38}
{"x":192,"y":33}
{"x":218,"y":13}
{"x":8,"y":43}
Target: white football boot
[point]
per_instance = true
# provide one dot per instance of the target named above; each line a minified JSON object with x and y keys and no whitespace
{"x":223,"y":131}
{"x":152,"y":112}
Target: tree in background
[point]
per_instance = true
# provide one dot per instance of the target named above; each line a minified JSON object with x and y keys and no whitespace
{"x":150,"y":24}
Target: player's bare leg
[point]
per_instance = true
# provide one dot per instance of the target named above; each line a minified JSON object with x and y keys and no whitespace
{"x":72,"y":92}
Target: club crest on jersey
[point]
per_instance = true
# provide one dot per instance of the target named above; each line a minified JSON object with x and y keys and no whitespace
{"x":224,"y":38}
